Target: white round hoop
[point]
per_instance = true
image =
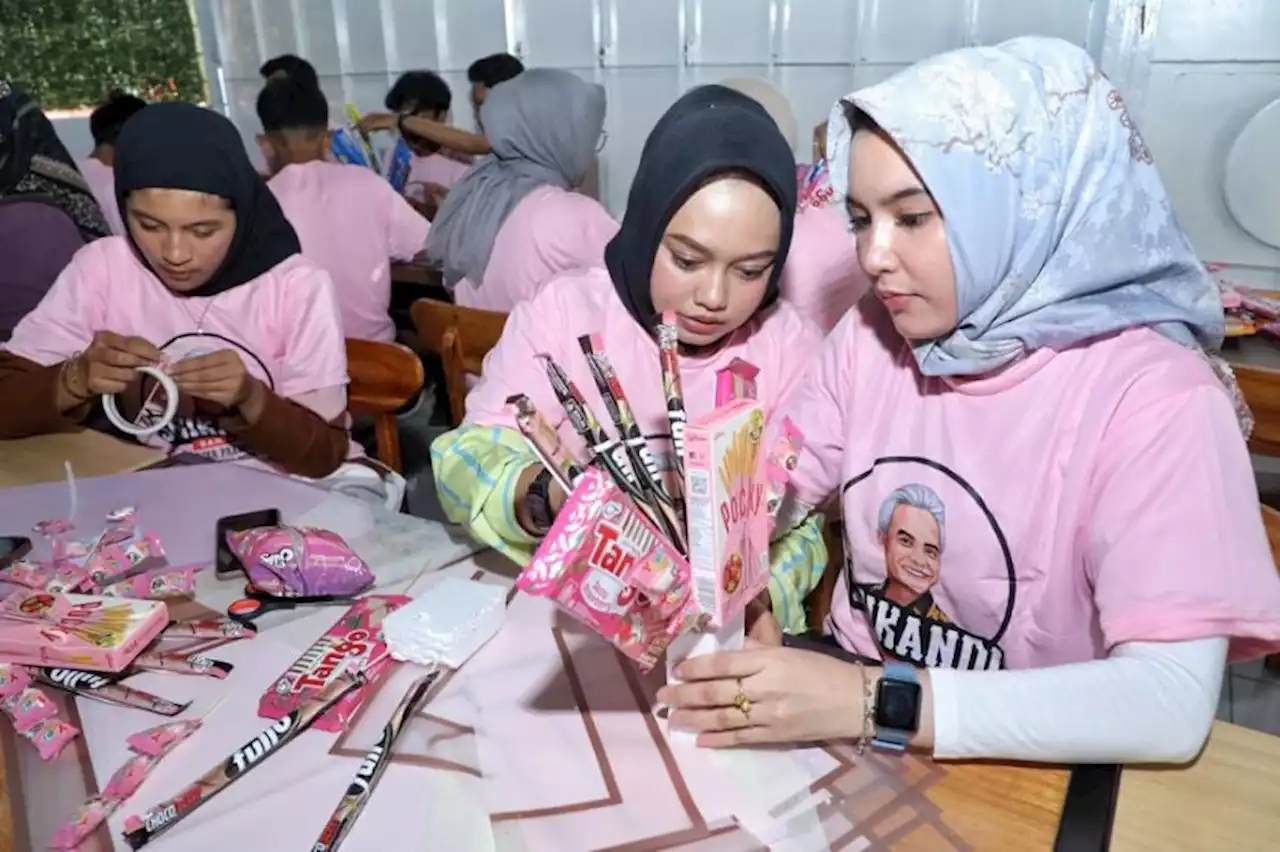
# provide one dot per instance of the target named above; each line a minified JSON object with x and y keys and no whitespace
{"x":112,"y":411}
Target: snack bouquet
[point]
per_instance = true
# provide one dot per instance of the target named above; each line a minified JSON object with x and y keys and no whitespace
{"x":643,"y":555}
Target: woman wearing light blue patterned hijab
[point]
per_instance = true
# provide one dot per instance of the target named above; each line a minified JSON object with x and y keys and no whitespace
{"x":1058,"y":226}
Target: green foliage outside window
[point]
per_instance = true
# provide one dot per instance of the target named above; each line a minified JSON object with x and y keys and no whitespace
{"x":69,"y":54}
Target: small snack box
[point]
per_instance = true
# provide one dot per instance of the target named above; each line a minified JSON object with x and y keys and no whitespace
{"x":728,"y":515}
{"x":606,"y":565}
{"x":77,"y":631}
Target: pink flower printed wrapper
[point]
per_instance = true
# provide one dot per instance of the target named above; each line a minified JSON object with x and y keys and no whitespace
{"x":608,"y":566}
{"x":780,"y":464}
{"x":299,"y":561}
{"x":51,"y":736}
{"x":28,"y":708}
{"x":155,"y":743}
{"x":156,"y":585}
{"x":31,"y":575}
{"x":13,"y":679}
{"x":159,"y":740}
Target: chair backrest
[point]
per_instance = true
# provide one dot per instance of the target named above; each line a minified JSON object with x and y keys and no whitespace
{"x":384,"y":378}
{"x":1261,"y":389}
{"x":37,"y":241}
{"x":461,"y":337}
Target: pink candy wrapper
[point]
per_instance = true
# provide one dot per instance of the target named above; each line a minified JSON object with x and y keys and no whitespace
{"x":780,"y":463}
{"x":28,"y":708}
{"x":299,"y":561}
{"x":124,"y":783}
{"x":32,"y":575}
{"x":50,"y":736}
{"x":159,"y":740}
{"x":608,"y":566}
{"x":353,"y":644}
{"x":736,"y":381}
{"x":156,"y":585}
{"x":13,"y":679}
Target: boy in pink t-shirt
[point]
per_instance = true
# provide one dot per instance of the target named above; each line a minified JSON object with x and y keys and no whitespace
{"x":105,"y":124}
{"x":349,"y":220}
{"x":706,"y":236}
{"x":1052,"y":535}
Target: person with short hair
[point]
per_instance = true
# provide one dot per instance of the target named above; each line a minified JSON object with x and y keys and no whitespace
{"x":486,"y":73}
{"x":425,"y":94}
{"x":98,"y":168}
{"x":289,"y":66}
{"x":348,"y":218}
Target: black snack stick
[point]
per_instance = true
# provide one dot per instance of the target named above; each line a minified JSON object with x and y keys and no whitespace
{"x":648,"y":476}
{"x":372,"y":766}
{"x":139,"y":831}
{"x":106,"y":687}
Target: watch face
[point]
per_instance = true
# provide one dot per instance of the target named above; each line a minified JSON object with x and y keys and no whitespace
{"x":898,"y":705}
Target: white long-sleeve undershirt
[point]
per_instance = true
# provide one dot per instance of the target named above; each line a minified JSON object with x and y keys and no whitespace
{"x":1149,"y":702}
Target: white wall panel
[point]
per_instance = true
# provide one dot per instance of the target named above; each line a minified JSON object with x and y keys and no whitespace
{"x":558,"y":33}
{"x":409,"y":26}
{"x":816,"y":32}
{"x":642,"y":34}
{"x":469,"y":29}
{"x":910,"y":30}
{"x":361,"y":43}
{"x":318,"y":27}
{"x":1218,"y":31}
{"x":729,"y":32}
{"x":998,"y":20}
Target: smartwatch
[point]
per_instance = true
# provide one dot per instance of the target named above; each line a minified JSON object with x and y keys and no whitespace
{"x":897,"y":710}
{"x":537,"y":503}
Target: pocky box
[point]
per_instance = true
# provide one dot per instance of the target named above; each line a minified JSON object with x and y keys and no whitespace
{"x":353,"y":644}
{"x":727,"y":509}
{"x":608,"y":566}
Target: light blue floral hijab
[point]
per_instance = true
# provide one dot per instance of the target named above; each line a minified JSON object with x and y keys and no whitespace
{"x":1059,"y":227}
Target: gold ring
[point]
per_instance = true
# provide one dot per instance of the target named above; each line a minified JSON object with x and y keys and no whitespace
{"x":742,"y":702}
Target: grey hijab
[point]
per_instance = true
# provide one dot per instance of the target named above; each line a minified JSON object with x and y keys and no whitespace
{"x":543,"y":126}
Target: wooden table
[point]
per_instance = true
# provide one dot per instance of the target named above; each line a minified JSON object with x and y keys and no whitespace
{"x":43,"y":458}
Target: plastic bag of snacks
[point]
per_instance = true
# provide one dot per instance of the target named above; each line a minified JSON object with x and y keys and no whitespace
{"x":299,"y":561}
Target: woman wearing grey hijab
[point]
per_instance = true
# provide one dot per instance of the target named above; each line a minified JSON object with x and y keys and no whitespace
{"x":513,"y":221}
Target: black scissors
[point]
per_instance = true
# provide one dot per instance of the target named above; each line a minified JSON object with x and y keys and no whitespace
{"x":257,"y":602}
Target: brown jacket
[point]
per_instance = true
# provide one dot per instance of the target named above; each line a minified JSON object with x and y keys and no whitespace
{"x":289,"y":435}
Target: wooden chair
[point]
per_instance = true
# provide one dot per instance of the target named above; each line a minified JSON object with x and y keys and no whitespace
{"x":1261,"y":389}
{"x":461,"y":337}
{"x":384,"y":377}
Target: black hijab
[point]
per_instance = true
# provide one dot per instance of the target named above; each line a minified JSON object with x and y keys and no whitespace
{"x":709,"y":131}
{"x":35,"y":164}
{"x":178,"y":145}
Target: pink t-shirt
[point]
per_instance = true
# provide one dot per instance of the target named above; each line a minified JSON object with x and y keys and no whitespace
{"x":780,"y":342}
{"x":284,"y":326}
{"x":822,"y":277}
{"x":434,"y":168}
{"x":549,"y":232}
{"x":1071,"y":502}
{"x":351,"y":223}
{"x":102,"y":182}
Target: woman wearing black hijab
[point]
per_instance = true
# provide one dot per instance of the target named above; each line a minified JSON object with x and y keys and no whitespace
{"x":705,"y":236}
{"x":208,"y":283}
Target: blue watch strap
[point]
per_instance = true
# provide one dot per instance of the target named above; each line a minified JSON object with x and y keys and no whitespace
{"x":895,"y":739}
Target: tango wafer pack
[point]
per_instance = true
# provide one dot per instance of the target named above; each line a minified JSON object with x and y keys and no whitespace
{"x":608,"y":566}
{"x":350,"y":645}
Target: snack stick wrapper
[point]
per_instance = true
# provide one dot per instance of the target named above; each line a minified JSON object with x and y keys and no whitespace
{"x":608,"y":566}
{"x":728,"y":520}
{"x":673,"y":390}
{"x":182,"y":663}
{"x":350,"y":645}
{"x":736,"y":381}
{"x":545,"y":442}
{"x":219,"y":627}
{"x":159,"y":740}
{"x":156,"y":585}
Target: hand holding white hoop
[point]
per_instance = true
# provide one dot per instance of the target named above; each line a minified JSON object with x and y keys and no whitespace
{"x":112,"y":410}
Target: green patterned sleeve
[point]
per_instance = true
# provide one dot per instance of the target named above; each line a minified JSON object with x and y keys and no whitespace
{"x":475,"y":470}
{"x":797,"y":561}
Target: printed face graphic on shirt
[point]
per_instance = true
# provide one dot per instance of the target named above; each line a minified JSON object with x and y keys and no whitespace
{"x":896,"y":525}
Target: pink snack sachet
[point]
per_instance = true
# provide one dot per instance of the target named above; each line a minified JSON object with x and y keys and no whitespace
{"x":13,"y":679}
{"x":50,"y":736}
{"x":123,"y":783}
{"x":28,"y":708}
{"x":300,"y":561}
{"x":156,"y":585}
{"x":736,"y":381}
{"x":609,"y":567}
{"x":352,"y":644}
